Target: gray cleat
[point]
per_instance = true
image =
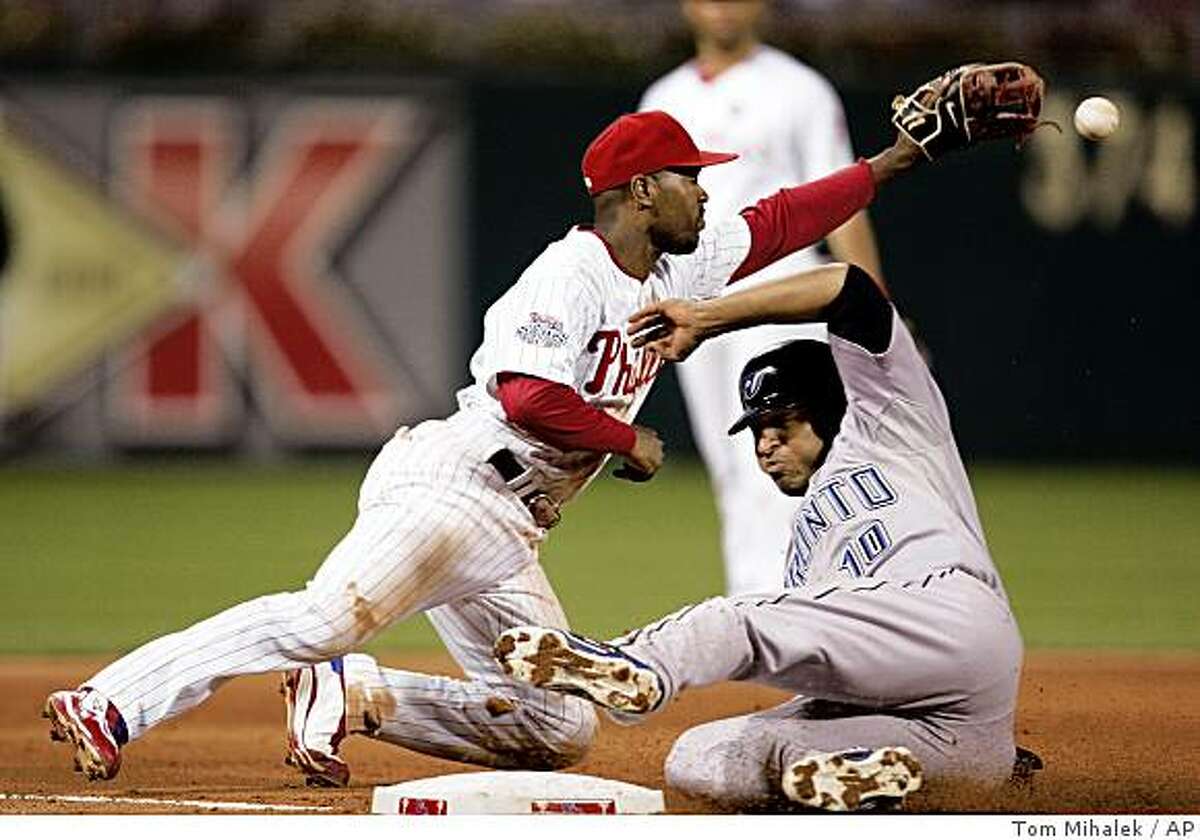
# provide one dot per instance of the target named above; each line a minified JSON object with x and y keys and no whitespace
{"x":568,"y":663}
{"x":853,"y":780}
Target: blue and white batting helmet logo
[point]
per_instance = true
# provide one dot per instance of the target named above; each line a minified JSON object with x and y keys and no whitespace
{"x":752,"y":383}
{"x":799,"y":374}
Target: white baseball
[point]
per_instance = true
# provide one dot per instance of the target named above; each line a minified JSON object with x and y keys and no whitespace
{"x":1096,"y":118}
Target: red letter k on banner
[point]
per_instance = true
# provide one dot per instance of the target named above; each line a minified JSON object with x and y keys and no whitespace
{"x":261,"y":303}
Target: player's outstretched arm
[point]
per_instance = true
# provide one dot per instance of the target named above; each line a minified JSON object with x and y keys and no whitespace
{"x":674,"y":328}
{"x":968,"y":105}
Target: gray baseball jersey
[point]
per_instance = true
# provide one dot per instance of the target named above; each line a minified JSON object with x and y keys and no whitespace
{"x":892,"y":498}
{"x":893,"y":628}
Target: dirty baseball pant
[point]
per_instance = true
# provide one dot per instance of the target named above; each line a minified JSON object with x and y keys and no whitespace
{"x":437,"y":530}
{"x":930,"y":664}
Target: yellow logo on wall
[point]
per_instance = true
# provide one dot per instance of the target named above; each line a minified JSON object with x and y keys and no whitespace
{"x":78,"y":274}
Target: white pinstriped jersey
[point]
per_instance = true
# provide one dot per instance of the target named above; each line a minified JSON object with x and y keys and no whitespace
{"x":892,"y":499}
{"x":564,"y":320}
{"x":783,"y":119}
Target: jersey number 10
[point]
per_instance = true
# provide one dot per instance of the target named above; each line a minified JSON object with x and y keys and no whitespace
{"x":864,"y":552}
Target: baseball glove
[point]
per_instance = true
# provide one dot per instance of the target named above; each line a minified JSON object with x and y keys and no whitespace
{"x":969,"y":104}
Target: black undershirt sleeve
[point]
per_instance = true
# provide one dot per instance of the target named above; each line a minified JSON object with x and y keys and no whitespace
{"x":860,"y":313}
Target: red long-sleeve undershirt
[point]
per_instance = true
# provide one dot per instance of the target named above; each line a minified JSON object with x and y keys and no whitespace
{"x":556,"y":414}
{"x":796,"y":217}
{"x":787,"y":221}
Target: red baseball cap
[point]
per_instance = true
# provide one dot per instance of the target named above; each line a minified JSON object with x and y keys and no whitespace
{"x":638,"y":144}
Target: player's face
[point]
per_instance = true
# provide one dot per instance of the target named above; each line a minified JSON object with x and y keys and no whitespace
{"x":726,"y":23}
{"x":788,"y":450}
{"x":678,"y":211}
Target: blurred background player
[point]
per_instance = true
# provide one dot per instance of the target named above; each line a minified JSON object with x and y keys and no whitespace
{"x":785,"y":120}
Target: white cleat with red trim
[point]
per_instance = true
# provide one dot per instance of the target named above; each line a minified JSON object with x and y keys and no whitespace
{"x":89,"y":721}
{"x":316,"y":721}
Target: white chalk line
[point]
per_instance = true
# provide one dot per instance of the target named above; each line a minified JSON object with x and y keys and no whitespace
{"x":206,"y":804}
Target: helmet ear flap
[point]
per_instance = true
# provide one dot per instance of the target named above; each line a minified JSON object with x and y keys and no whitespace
{"x":832,"y":409}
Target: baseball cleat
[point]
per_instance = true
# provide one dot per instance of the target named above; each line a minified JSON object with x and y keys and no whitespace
{"x":1026,"y":764}
{"x":853,"y":780}
{"x":568,"y":663}
{"x":315,"y":697}
{"x":86,"y":719}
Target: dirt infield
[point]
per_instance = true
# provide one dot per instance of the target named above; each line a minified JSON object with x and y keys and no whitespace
{"x":1119,"y":732}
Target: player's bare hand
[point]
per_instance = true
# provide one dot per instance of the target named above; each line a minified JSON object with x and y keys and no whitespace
{"x":671,"y":328}
{"x":644,"y":460}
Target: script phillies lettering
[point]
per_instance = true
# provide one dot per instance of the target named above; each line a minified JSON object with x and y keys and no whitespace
{"x":631,"y":368}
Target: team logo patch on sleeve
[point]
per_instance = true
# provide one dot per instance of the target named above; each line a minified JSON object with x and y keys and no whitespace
{"x":542,"y":331}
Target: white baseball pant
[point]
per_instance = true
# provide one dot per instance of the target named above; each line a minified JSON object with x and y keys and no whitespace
{"x":436,"y":530}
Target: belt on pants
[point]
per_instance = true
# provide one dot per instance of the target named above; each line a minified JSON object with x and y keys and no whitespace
{"x":519,"y":479}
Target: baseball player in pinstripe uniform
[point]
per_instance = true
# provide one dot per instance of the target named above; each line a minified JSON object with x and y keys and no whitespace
{"x":786,"y":122}
{"x":891,"y":624}
{"x":451,"y":511}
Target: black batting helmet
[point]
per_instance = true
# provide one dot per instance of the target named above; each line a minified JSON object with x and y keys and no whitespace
{"x":798,"y":375}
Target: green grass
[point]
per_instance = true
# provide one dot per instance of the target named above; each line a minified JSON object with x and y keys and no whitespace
{"x":101,"y":559}
{"x":1097,"y":557}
